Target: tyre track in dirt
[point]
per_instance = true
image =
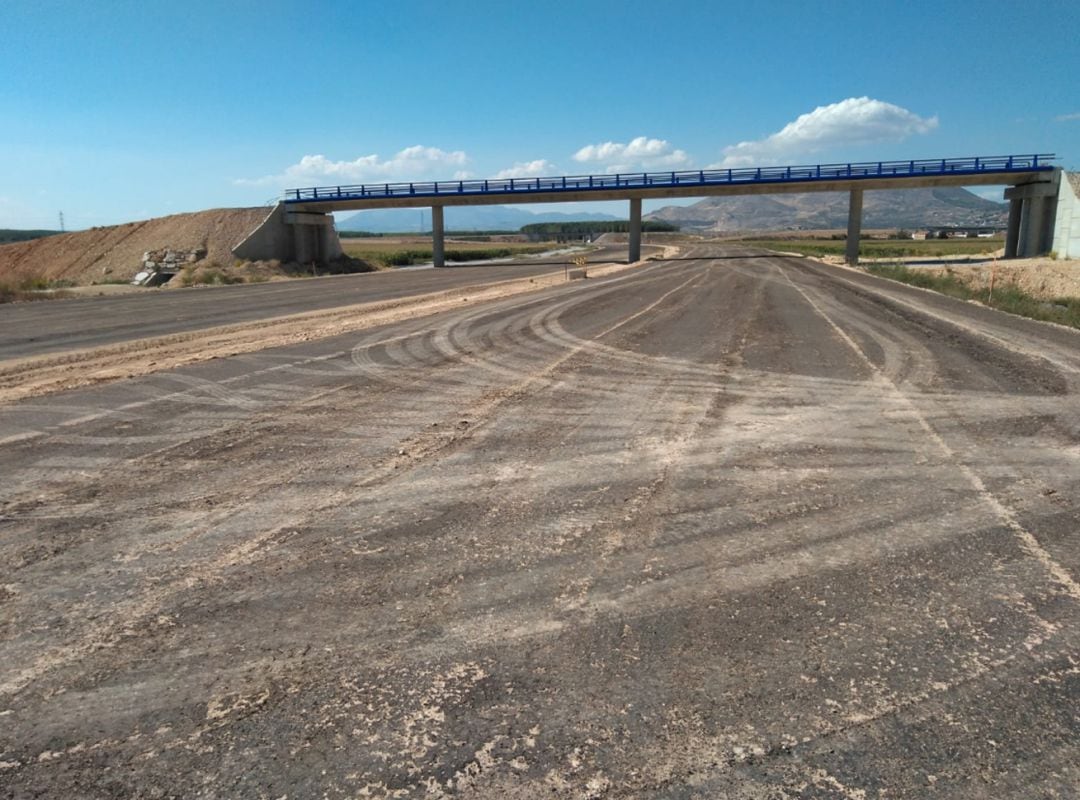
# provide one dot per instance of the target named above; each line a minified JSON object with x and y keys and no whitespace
{"x":707,"y":528}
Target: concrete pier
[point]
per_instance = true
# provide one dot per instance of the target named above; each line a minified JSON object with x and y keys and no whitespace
{"x":854,"y":226}
{"x":1012,"y":233}
{"x":634,"y":233}
{"x":438,"y":238}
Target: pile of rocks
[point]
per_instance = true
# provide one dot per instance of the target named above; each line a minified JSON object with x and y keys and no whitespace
{"x":160,"y":265}
{"x":169,"y":259}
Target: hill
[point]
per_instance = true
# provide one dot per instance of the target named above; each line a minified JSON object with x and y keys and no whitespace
{"x":20,"y":235}
{"x":903,"y":208}
{"x":115,"y":252}
{"x":457,"y":218}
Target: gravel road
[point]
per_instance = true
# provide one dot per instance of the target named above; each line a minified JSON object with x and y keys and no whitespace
{"x":725,"y":526}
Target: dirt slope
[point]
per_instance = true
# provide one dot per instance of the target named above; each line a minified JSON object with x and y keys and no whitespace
{"x":115,"y":251}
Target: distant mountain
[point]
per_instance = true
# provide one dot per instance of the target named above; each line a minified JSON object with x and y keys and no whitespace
{"x":457,"y":218}
{"x":892,"y":208}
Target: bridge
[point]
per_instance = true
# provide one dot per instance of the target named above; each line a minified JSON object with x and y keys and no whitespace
{"x":1033,"y":180}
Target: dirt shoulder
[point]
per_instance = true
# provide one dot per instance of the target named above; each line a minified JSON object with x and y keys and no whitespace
{"x":50,"y":373}
{"x":1043,"y":278}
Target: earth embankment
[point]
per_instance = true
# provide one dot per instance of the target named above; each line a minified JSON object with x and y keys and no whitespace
{"x":114,"y":252}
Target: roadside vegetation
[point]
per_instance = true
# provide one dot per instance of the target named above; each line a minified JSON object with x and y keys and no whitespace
{"x":1005,"y":297}
{"x":32,"y":289}
{"x":384,"y":255}
{"x":8,"y":235}
{"x":596,"y":226}
{"x":882,"y":248}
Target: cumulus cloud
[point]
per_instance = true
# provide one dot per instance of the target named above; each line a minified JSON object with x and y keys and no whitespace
{"x":412,"y":163}
{"x":855,"y":121}
{"x":539,"y":168}
{"x":641,"y":153}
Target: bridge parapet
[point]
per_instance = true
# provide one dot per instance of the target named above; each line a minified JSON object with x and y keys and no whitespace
{"x":808,"y":175}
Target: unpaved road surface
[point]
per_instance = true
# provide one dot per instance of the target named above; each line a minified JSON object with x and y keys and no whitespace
{"x":725,"y":526}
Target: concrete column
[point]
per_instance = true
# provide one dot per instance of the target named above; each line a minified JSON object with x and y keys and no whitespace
{"x":1046,"y":232}
{"x":1032,"y":223}
{"x":1012,"y":233}
{"x":854,"y":226}
{"x":635,"y":230}
{"x":438,"y":244}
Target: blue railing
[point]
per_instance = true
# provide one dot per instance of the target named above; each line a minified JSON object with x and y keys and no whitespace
{"x":705,"y":177}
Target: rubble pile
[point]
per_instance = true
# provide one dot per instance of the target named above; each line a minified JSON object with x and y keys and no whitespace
{"x":158,"y":266}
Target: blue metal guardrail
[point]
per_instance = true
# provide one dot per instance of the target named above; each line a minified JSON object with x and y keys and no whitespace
{"x":706,"y":177}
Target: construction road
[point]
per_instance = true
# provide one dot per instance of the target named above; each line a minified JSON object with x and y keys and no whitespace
{"x":728,"y":526}
{"x":31,"y":329}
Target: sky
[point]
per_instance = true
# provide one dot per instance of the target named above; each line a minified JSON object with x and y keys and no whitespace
{"x":112,"y":111}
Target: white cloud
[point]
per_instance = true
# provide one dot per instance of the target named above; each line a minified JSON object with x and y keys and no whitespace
{"x":855,"y":121}
{"x":412,"y":163}
{"x":539,"y":168}
{"x":641,"y":153}
{"x":1068,"y":117}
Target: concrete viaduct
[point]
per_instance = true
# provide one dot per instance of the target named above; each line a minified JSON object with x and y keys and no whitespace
{"x":301,"y":226}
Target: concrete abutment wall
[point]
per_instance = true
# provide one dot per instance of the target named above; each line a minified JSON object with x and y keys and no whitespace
{"x":1066,"y":240}
{"x":1032,"y":234}
{"x":302,"y":236}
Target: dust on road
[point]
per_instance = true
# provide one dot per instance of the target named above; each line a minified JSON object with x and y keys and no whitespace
{"x":725,"y":527}
{"x":42,"y":374}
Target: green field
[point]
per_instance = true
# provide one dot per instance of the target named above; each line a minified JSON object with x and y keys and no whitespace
{"x":405,"y":251}
{"x":9,"y":235}
{"x":882,"y":248}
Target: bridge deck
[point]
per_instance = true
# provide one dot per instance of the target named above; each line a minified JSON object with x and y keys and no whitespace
{"x":818,"y":177}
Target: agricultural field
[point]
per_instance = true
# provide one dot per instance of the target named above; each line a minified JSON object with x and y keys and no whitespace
{"x":401,"y":251}
{"x":882,"y":248}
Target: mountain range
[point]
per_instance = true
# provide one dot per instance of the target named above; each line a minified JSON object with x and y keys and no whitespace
{"x":892,"y":208}
{"x":895,"y":208}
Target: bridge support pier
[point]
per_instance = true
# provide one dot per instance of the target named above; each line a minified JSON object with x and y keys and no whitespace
{"x":438,"y":240}
{"x":634,"y":233}
{"x":1012,"y":232}
{"x":854,"y":227}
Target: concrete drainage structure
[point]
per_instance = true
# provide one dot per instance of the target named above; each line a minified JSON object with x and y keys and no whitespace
{"x":160,"y":266}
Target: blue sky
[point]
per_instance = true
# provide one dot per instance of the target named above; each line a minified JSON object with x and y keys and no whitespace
{"x":114,"y":111}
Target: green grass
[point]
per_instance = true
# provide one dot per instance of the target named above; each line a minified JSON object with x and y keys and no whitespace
{"x":1006,"y":297}
{"x":408,"y":256}
{"x":881,"y":248}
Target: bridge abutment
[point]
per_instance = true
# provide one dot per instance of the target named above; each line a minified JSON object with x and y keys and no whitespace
{"x":1032,"y":208}
{"x":302,"y":236}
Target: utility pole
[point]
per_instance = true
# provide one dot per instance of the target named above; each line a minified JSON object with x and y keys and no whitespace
{"x":61,"y":222}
